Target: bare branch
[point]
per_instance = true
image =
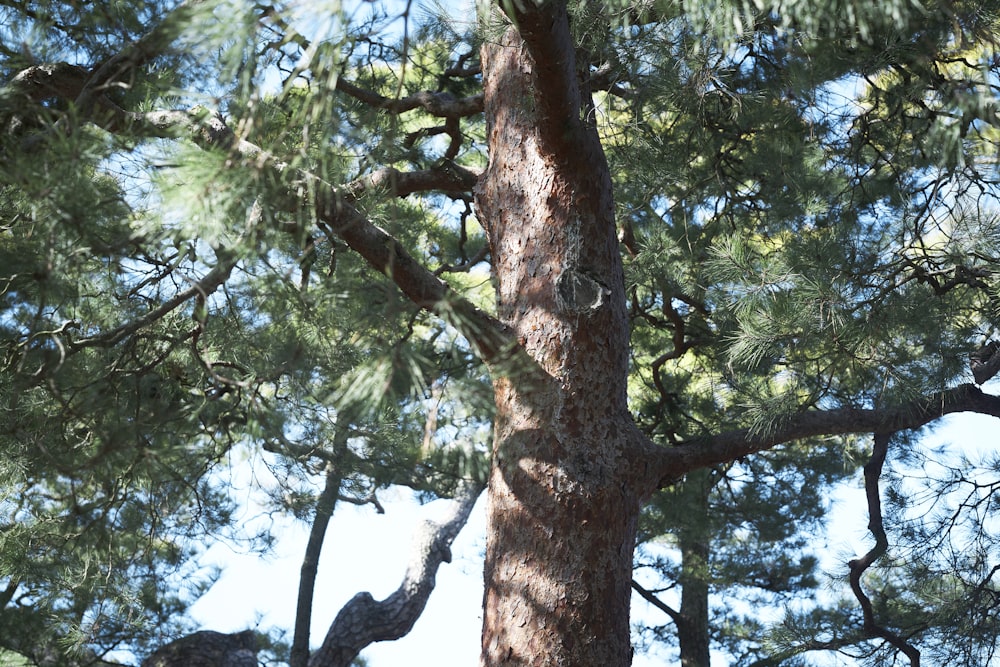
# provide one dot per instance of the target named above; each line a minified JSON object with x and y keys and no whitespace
{"x":651,"y":598}
{"x":370,"y":499}
{"x":363,"y":621}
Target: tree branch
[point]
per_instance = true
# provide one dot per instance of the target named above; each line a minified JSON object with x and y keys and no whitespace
{"x":87,"y":89}
{"x":152,"y":44}
{"x":441,"y":104}
{"x":449,"y":177}
{"x":299,"y":655}
{"x":444,"y":105}
{"x":873,"y":470}
{"x":651,"y":598}
{"x":334,"y":206}
{"x":363,"y":621}
{"x":379,"y":248}
{"x":199,"y":290}
{"x":668,"y":463}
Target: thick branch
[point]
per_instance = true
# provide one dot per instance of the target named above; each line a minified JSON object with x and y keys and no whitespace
{"x":668,"y":463}
{"x":87,"y":89}
{"x":448,"y":178}
{"x":379,"y":248}
{"x":873,"y":470}
{"x":335,"y":208}
{"x":154,"y":43}
{"x":384,"y":253}
{"x":208,"y":129}
{"x":444,"y":105}
{"x":364,"y":621}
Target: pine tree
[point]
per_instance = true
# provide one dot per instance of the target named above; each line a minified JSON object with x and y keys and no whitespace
{"x":228,"y":231}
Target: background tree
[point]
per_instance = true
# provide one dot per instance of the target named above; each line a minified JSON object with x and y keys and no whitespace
{"x":302,"y":278}
{"x":809,"y":169}
{"x":726,"y":548}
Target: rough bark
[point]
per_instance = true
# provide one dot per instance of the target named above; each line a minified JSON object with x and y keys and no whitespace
{"x":207,"y":649}
{"x":363,"y":621}
{"x":562,"y":507}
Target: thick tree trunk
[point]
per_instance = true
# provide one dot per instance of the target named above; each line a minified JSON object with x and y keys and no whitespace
{"x":562,"y":509}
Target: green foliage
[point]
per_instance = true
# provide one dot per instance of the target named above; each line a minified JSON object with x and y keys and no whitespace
{"x":164,"y":312}
{"x":810,"y":188}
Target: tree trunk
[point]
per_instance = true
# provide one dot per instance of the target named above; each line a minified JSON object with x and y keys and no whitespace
{"x":562,"y":506}
{"x":325,"y":505}
{"x":694,"y":541}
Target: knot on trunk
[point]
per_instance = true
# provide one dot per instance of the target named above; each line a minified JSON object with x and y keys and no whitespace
{"x":577,"y":292}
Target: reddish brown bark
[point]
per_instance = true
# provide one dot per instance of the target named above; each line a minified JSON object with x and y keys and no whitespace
{"x":562,"y":511}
